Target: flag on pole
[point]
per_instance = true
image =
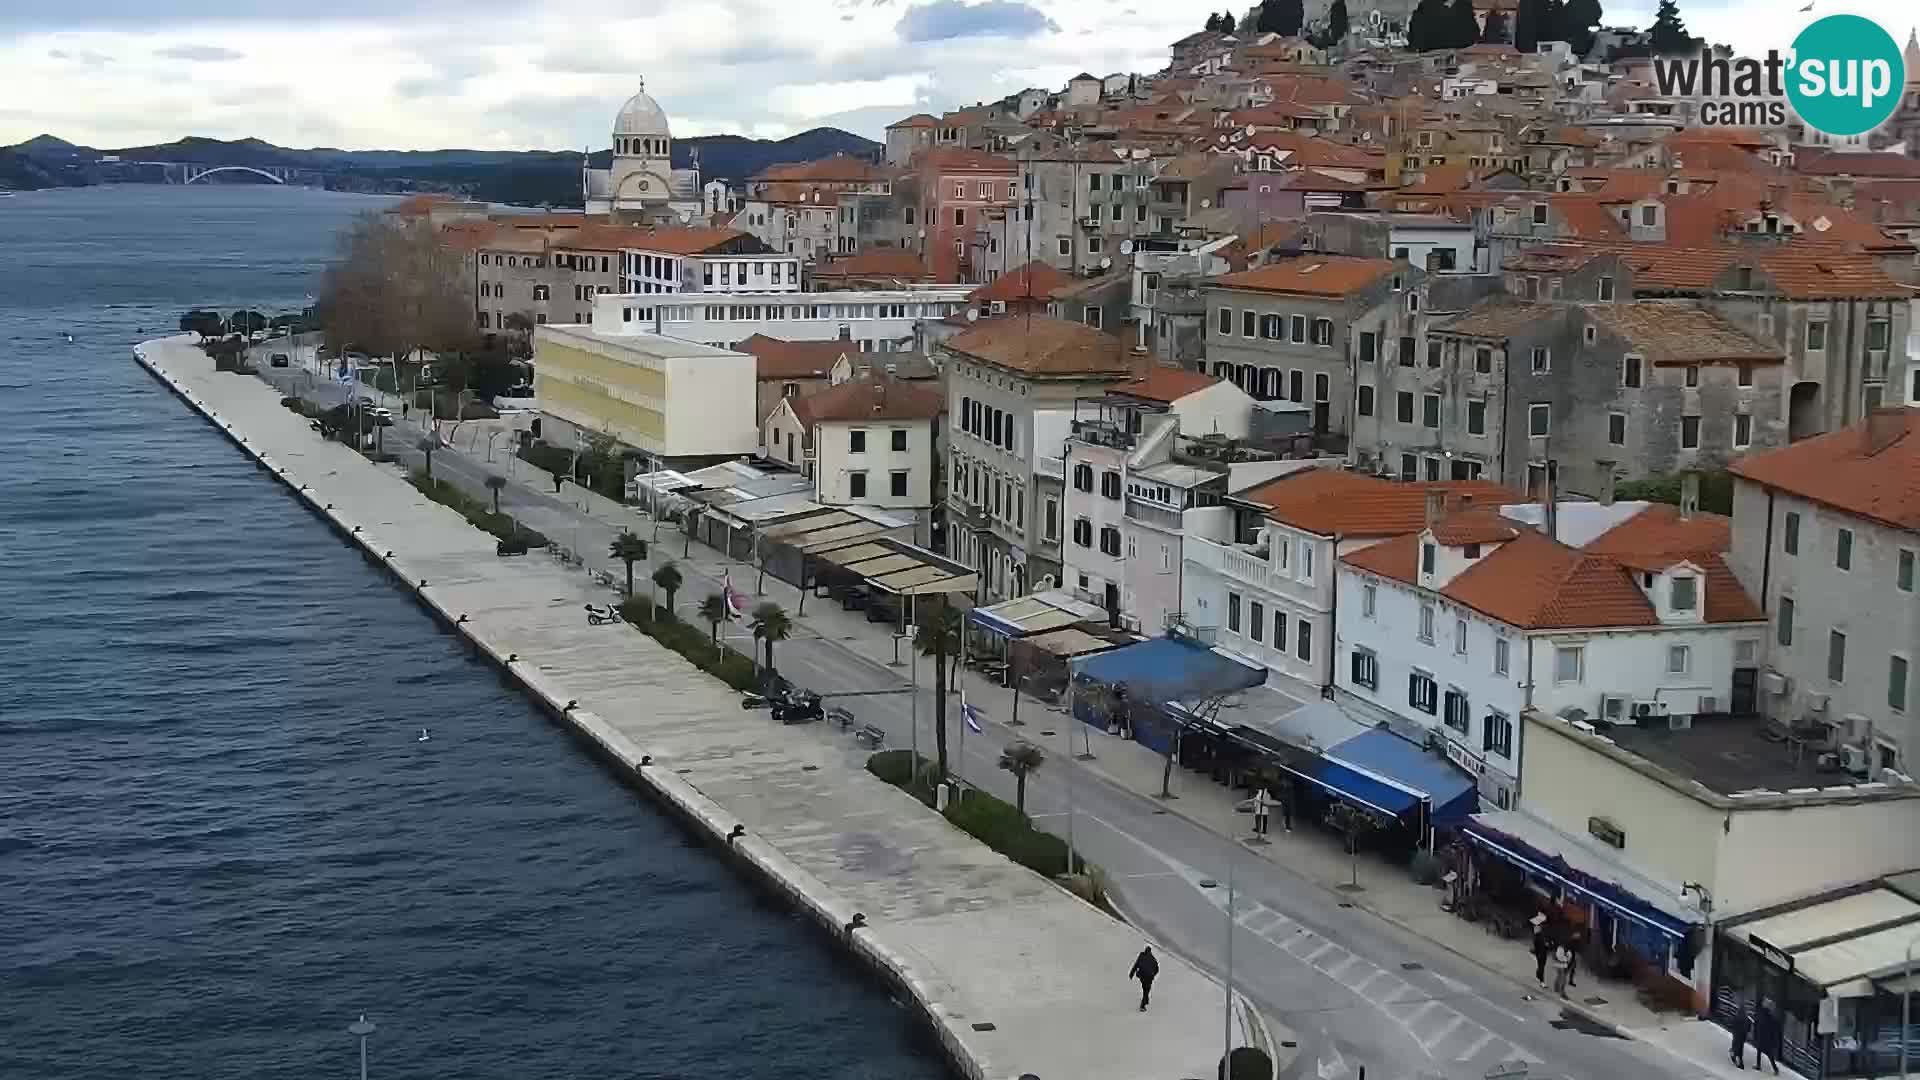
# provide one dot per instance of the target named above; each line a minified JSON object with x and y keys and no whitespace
{"x":971,"y":714}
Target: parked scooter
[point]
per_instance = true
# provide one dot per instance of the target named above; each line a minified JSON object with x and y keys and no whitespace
{"x":597,"y":616}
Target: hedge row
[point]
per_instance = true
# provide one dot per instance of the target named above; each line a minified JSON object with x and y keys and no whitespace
{"x":991,"y":821}
{"x":694,"y":643}
{"x":480,"y":514}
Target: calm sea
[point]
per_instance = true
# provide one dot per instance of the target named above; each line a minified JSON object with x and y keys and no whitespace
{"x":219,"y":839}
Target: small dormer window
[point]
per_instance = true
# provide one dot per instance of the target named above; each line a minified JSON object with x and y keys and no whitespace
{"x":1686,"y":592}
{"x":1426,"y":558}
{"x":1471,"y":551}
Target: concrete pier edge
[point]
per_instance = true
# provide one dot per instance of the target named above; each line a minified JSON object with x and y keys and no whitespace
{"x":766,"y":867}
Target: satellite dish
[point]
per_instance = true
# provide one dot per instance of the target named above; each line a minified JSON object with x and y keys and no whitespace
{"x":1205,"y":203}
{"x":1821,"y":224}
{"x":973,"y":314}
{"x":923,"y":234}
{"x":1250,"y":129}
{"x":1223,"y":136}
{"x":1106,"y":262}
{"x":1126,"y":247}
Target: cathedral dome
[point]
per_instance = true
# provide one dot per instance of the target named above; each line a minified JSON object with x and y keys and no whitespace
{"x":641,"y":115}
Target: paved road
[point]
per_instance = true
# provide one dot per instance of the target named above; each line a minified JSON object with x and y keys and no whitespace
{"x":1358,"y":991}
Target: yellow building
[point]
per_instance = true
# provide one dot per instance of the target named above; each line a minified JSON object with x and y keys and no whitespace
{"x":672,"y":398}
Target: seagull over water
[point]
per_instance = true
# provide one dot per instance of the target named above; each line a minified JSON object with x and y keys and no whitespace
{"x":423,"y":736}
{"x":1809,"y":6}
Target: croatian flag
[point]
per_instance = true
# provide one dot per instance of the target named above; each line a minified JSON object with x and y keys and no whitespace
{"x":972,"y":716}
{"x":736,"y":603}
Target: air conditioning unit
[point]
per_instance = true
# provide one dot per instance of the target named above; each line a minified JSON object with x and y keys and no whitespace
{"x":997,"y":307}
{"x":1817,"y":703}
{"x":1708,"y":704}
{"x":1854,"y":759}
{"x":1614,"y":708}
{"x":1679,"y":721}
{"x":1772,"y":682}
{"x":1650,"y":710}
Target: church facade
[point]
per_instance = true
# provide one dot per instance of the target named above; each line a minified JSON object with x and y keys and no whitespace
{"x":641,"y":186}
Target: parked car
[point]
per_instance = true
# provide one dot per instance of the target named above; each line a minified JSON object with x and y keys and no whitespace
{"x":381,"y":412}
{"x":278,"y":359}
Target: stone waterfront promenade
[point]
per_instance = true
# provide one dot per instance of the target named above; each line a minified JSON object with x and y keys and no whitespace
{"x":1013,"y":975}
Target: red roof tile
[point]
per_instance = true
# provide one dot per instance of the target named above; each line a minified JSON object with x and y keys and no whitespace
{"x":1165,"y":384}
{"x":874,"y":398}
{"x":1311,"y":275}
{"x":1037,"y":345}
{"x":780,"y":359}
{"x":1335,"y":501}
{"x":1034,"y":281}
{"x":1840,"y":469}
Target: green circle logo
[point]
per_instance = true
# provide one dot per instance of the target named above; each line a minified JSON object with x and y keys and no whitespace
{"x":1847,"y":75}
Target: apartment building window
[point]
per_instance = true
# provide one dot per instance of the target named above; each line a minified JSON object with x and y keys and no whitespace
{"x":1742,"y":429}
{"x":1542,"y":361}
{"x":1422,"y":692}
{"x":1110,"y":484}
{"x":1233,"y":612}
{"x":1364,"y":400}
{"x":1569,"y":664}
{"x":1270,"y":327}
{"x":1816,"y":336}
{"x":1691,"y":376}
{"x":1369,"y":600}
{"x":1083,"y":532}
{"x":1247,"y":327}
{"x":1483,"y":360}
{"x":1109,"y":540}
{"x":1257,"y":622}
{"x":1743,"y":374}
{"x":1460,"y":636}
{"x":857,"y":441}
{"x":1366,"y":669}
{"x":1299,"y":325}
{"x":1837,"y":656}
{"x":1498,"y":737}
{"x":1226,"y":319}
{"x":1430,"y":410}
{"x":1053,"y":520}
{"x":1539,"y":420}
{"x":1897,"y":683}
{"x":1790,"y":533}
{"x":1093,"y":181}
{"x":1295,"y":385}
{"x":1632,"y":371}
{"x":959,"y":189}
{"x":1679,"y":659}
{"x":1066,"y":248}
{"x":1454,"y":713}
{"x":1303,"y":640}
{"x":1843,"y":549}
{"x":1783,"y":623}
{"x":857,"y":485}
{"x":897,"y":484}
{"x":1323,"y":332}
{"x":1502,"y":654}
{"x":539,"y":292}
{"x":1403,"y":406}
{"x":1428,"y":551}
{"x":1406,"y":351}
{"x":1606,"y":289}
{"x":1083,"y":478}
{"x":899,"y":439}
{"x":1433,"y":352}
{"x":1279,"y":629}
{"x":959,"y":215}
{"x":1903,"y":572}
{"x":1409,"y":468}
{"x":1426,"y":623}
{"x":1369,"y":346}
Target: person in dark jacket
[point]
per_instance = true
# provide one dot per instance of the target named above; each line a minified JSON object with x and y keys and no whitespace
{"x":1145,"y":968}
{"x":1740,"y":1026}
{"x":1542,"y":948}
{"x":1766,"y":1036}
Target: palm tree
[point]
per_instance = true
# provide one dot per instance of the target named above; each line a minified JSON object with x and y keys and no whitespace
{"x":425,"y":446}
{"x":771,"y":624}
{"x":629,"y":549}
{"x":494,"y":483}
{"x":669,"y":580}
{"x":713,"y":612}
{"x":1021,"y":758}
{"x":939,"y":637}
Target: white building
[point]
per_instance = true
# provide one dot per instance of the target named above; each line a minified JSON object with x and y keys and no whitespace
{"x":642,"y":184}
{"x":879,"y":321}
{"x":667,"y":268}
{"x":1629,"y":615}
{"x":869,"y":441}
{"x":1827,"y":538}
{"x":671,"y":398}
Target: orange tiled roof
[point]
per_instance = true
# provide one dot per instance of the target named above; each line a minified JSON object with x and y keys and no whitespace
{"x":1165,"y":384}
{"x":1335,"y":501}
{"x":836,"y":169}
{"x":875,"y":262}
{"x":1800,"y":274}
{"x":1837,"y":470}
{"x":781,"y":359}
{"x":1034,"y":281}
{"x":955,"y":159}
{"x":1037,"y":345}
{"x":1475,"y":525}
{"x":1679,"y":333}
{"x":875,"y":398}
{"x":917,"y":120}
{"x":1311,"y":275}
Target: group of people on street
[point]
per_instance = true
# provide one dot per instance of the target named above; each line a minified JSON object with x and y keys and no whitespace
{"x":1764,"y":1026}
{"x":1562,"y":949}
{"x":1264,"y":800}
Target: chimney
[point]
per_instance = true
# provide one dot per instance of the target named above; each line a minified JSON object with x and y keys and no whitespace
{"x":1436,"y":504}
{"x":1606,"y":482}
{"x":1550,"y":499}
{"x":1689,"y":494}
{"x":1884,"y":427}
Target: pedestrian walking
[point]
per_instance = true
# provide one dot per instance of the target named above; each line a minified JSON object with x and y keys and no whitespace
{"x":1542,"y":948}
{"x":1146,"y":969}
{"x":1740,"y":1026}
{"x":1576,"y":944}
{"x":1766,"y":1037}
{"x":1262,"y":806}
{"x":405,"y":408}
{"x":1563,"y":969}
{"x":1286,"y":806}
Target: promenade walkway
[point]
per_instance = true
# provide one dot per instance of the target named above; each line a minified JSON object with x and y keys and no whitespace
{"x":1018,"y":977}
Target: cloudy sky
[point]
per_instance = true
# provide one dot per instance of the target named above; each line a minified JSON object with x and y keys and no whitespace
{"x":511,"y":74}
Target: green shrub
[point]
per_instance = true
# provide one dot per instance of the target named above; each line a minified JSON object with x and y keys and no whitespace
{"x":993,"y":822}
{"x":893,"y":766}
{"x":692,"y":642}
{"x":479,"y":514}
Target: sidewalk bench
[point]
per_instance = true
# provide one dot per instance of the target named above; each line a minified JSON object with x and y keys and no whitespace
{"x":870,"y":735}
{"x":841,"y":715}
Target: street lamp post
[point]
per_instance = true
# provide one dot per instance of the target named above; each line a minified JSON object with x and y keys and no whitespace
{"x":360,"y":1029}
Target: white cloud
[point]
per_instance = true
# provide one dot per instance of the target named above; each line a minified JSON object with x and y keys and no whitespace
{"x":551,"y":73}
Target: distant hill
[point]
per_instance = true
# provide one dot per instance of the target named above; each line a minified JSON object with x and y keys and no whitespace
{"x":521,"y":176}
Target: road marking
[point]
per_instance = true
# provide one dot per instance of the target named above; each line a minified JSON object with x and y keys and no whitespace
{"x":1154,"y":874}
{"x":1414,"y":1017}
{"x":1361,"y":985}
{"x":1479,"y":1044}
{"x":1440,"y":1036}
{"x":1334,"y":971}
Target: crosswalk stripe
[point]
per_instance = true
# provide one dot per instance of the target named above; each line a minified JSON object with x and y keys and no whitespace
{"x":1479,"y":1044}
{"x":1319,"y":952}
{"x":1521,"y":1054}
{"x":1334,"y":971}
{"x":1360,"y":987}
{"x":1440,"y":1036}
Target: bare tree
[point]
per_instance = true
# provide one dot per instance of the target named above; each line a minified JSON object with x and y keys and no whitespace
{"x":395,"y":288}
{"x":1203,"y":707}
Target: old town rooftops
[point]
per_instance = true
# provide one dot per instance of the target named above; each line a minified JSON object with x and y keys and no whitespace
{"x":1042,"y":347}
{"x":1681,"y":333}
{"x":1871,"y":469}
{"x":1312,"y":275}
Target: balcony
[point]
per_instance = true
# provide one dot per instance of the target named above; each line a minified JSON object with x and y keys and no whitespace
{"x":1232,"y":561}
{"x":1155,"y":514}
{"x":1103,"y":433}
{"x":1052,"y":467}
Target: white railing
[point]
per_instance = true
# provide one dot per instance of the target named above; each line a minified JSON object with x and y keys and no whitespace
{"x":1049,"y":466}
{"x":1230,"y":561}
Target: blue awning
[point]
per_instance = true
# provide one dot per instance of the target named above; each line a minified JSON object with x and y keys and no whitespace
{"x":1371,"y":792}
{"x":1539,"y":849}
{"x":1451,"y":795}
{"x":1169,"y":669}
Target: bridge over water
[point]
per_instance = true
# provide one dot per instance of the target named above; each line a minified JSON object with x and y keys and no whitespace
{"x":191,"y":172}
